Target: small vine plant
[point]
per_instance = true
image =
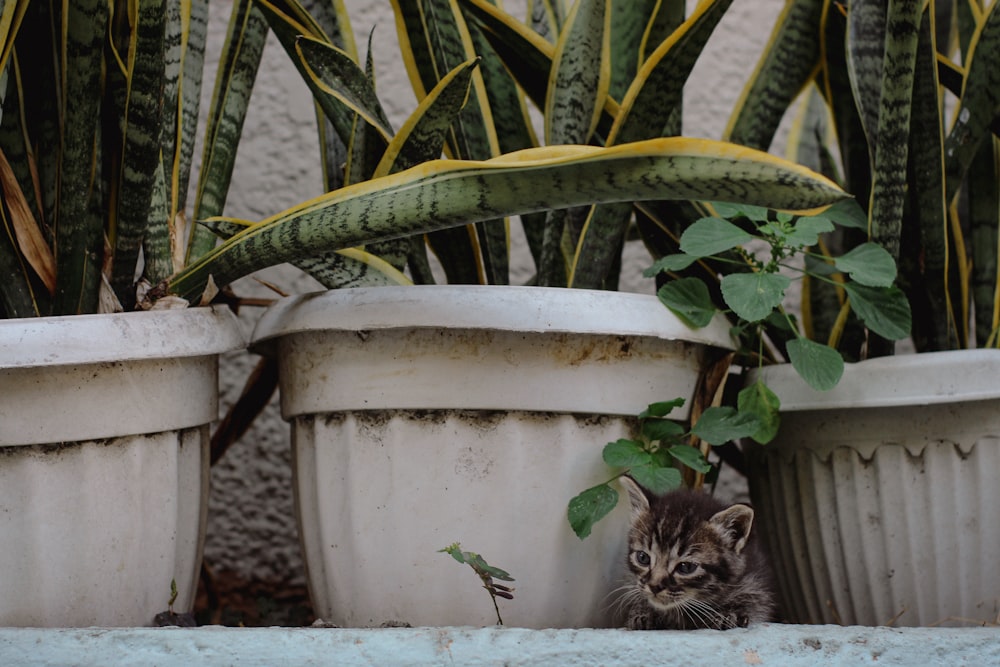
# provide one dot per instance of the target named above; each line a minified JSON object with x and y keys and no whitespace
{"x":487,"y":574}
{"x":655,"y":458}
{"x":754,"y":290}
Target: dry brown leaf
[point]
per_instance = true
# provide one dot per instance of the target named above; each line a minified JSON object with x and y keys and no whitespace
{"x":26,"y":231}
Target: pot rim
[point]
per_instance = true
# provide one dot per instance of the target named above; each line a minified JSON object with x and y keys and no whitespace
{"x":34,"y":342}
{"x":928,"y":378}
{"x":525,"y":309}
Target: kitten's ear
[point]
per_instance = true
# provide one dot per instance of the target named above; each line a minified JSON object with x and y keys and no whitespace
{"x":636,"y":495}
{"x":733,"y":524}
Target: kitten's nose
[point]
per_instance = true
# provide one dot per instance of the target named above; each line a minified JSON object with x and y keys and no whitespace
{"x":658,"y":586}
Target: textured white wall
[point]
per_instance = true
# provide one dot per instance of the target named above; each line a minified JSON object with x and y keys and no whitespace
{"x":251,"y":528}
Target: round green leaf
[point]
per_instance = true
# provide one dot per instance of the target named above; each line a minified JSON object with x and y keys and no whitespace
{"x":753,"y":296}
{"x":868,"y":264}
{"x":764,"y":404}
{"x":718,"y":426}
{"x":846,"y":213}
{"x":730,"y":210}
{"x":656,"y":479}
{"x":590,"y":507}
{"x":807,"y":230}
{"x":691,"y":457}
{"x":688,"y":299}
{"x":662,"y":429}
{"x":625,"y":453}
{"x":819,"y":365}
{"x":661,"y":408}
{"x":884,"y":310}
{"x":710,"y":236}
{"x":670,"y":263}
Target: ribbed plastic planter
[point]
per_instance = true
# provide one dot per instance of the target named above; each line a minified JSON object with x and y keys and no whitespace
{"x":104,"y":462}
{"x":879,"y":499}
{"x":422,"y":416}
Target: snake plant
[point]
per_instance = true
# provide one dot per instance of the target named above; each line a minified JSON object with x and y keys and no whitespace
{"x":110,"y":156}
{"x":900,"y":103}
{"x":99,"y":113}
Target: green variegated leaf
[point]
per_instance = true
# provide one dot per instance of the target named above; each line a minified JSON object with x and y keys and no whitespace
{"x":141,"y":148}
{"x":79,"y":227}
{"x":752,"y":296}
{"x":581,"y":74}
{"x":790,"y":57}
{"x":522,"y":182}
{"x":238,"y":65}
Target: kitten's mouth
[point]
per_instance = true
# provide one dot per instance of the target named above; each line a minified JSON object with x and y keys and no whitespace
{"x":666,"y":601}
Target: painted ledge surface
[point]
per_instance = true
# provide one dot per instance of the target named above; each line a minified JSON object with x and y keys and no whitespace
{"x":785,"y":645}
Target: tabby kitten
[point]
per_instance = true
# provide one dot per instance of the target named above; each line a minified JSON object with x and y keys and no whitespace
{"x":693,"y":563}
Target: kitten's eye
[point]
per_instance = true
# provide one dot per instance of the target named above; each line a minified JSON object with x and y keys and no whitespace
{"x":686,"y":567}
{"x":642,"y":558}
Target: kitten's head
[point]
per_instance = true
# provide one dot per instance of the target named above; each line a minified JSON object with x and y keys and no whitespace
{"x":686,"y":549}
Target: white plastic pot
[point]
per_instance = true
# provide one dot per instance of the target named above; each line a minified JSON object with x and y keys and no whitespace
{"x":422,"y":416}
{"x":880,"y":499}
{"x":104,"y":462}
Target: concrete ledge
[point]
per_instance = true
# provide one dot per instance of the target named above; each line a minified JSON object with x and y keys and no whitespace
{"x":786,"y":645}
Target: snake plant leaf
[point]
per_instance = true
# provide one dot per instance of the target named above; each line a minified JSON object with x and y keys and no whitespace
{"x":984,"y":217}
{"x":884,"y":310}
{"x":546,"y":17}
{"x":580,"y":75}
{"x":651,"y":108}
{"x":688,"y":299}
{"x":334,"y":74}
{"x":422,"y":136}
{"x":11,"y":15}
{"x":351,"y":267}
{"x":447,"y":193}
{"x":434,"y":40}
{"x":710,"y":236}
{"x":980,"y":103}
{"x":891,"y":145}
{"x":186,"y":32}
{"x":22,"y":229}
{"x":141,"y":145}
{"x":752,"y":296}
{"x":421,"y":139}
{"x":239,"y":61}
{"x":790,"y":58}
{"x":655,"y":93}
{"x":79,"y":229}
{"x":866,"y":56}
{"x":819,"y":365}
{"x":868,"y":264}
{"x":928,"y":260}
{"x":629,"y":24}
